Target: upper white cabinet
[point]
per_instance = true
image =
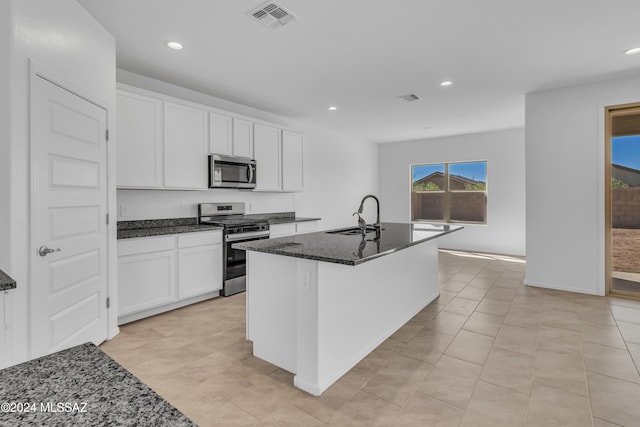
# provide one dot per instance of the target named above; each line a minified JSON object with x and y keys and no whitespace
{"x":185,"y":146}
{"x":139,"y":153}
{"x":164,"y":142}
{"x":242,"y":138}
{"x":220,"y":134}
{"x":292,"y":161}
{"x":266,"y":147}
{"x":279,"y":159}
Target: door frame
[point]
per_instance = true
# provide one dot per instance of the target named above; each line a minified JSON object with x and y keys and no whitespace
{"x":37,"y":70}
{"x":609,"y":113}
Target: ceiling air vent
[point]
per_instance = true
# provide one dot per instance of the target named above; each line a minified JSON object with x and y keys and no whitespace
{"x":410,"y":97}
{"x":272,"y":15}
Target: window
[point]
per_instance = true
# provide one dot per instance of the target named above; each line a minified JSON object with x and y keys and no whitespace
{"x":449,"y":192}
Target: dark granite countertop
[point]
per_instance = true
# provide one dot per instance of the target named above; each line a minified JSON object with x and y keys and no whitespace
{"x":6,"y":282}
{"x":159,"y":227}
{"x":81,"y":386}
{"x":350,"y":249}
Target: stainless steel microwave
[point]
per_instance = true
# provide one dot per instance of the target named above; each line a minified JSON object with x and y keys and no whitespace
{"x":231,"y":172}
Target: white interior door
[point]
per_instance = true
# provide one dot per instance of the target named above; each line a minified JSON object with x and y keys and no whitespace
{"x":68,"y":215}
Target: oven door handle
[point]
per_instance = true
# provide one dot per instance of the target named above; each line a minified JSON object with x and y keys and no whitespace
{"x":245,"y":236}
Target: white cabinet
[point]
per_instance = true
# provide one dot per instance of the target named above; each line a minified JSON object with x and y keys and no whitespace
{"x":306,"y":227}
{"x":266,"y":147}
{"x":292,"y":161}
{"x":164,"y":142}
{"x":199,"y":260}
{"x":185,"y":146}
{"x":146,"y":280}
{"x":282,"y":230}
{"x":220,"y":134}
{"x":6,"y":345}
{"x":242,"y":138}
{"x":139,"y":161}
{"x":160,"y":273}
{"x":279,"y":159}
{"x":292,"y":228}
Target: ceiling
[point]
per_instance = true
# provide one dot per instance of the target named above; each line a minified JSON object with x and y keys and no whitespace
{"x":360,"y":55}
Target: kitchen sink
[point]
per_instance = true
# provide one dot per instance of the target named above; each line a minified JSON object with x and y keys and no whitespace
{"x":353,"y":231}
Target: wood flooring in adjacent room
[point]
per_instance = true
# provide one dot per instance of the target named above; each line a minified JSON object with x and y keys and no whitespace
{"x":489,"y":352}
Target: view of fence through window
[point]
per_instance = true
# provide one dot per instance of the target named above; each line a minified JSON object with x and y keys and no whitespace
{"x":449,"y":192}
{"x":625,"y":211}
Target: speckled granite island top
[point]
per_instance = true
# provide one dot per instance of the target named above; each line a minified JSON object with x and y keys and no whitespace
{"x":332,"y":246}
{"x":81,"y":386}
{"x":6,"y":282}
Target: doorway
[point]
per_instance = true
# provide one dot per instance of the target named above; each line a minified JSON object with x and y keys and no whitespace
{"x":68,"y":292}
{"x":622,"y":157}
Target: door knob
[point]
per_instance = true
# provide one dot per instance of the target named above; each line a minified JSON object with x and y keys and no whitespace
{"x":44,"y":251}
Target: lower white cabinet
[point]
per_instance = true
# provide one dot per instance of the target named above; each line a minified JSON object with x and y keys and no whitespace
{"x":199,"y":260}
{"x":146,"y":281}
{"x":6,"y":344}
{"x":160,"y":273}
{"x":292,"y":228}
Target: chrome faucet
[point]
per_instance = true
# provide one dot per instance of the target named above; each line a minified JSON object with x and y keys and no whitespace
{"x":362,"y":224}
{"x":377,"y":224}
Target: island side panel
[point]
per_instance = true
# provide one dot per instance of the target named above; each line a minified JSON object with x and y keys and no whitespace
{"x":347,"y":311}
{"x":271,"y":308}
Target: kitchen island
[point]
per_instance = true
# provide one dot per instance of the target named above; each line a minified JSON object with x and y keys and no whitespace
{"x":318,"y":303}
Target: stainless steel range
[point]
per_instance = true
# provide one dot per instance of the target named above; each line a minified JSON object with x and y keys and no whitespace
{"x":236,"y":228}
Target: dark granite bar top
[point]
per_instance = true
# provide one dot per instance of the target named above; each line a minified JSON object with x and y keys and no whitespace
{"x":6,"y":282}
{"x":159,"y":227}
{"x":81,"y":386}
{"x":354,"y":249}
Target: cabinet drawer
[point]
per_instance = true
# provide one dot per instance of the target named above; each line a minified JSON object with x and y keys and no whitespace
{"x":145,"y":245}
{"x":199,"y":239}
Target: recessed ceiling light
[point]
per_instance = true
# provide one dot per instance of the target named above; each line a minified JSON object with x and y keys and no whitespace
{"x":446,"y":83}
{"x":175,"y":45}
{"x":332,"y":108}
{"x":632,"y":51}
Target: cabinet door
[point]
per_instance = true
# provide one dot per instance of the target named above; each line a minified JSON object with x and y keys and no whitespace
{"x":199,"y":270}
{"x":266,"y":148}
{"x":146,"y":281}
{"x":220,"y":134}
{"x":306,"y":227}
{"x":282,"y":230}
{"x":292,"y":161}
{"x":185,"y":146}
{"x":139,"y":154}
{"x":5,"y":329}
{"x":242,"y":138}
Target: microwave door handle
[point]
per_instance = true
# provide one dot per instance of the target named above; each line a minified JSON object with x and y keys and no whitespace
{"x":250,"y":173}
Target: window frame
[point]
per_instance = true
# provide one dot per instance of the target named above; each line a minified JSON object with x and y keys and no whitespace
{"x":446,"y":208}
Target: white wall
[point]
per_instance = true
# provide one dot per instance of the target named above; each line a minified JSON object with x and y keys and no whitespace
{"x":5,"y":134}
{"x":338,"y":171}
{"x":504,"y":152}
{"x":61,"y":37}
{"x":565,"y":183}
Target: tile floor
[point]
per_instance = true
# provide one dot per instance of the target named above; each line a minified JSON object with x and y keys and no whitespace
{"x":489,"y":352}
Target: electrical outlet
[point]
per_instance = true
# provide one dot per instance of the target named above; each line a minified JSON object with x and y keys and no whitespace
{"x":123,"y":211}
